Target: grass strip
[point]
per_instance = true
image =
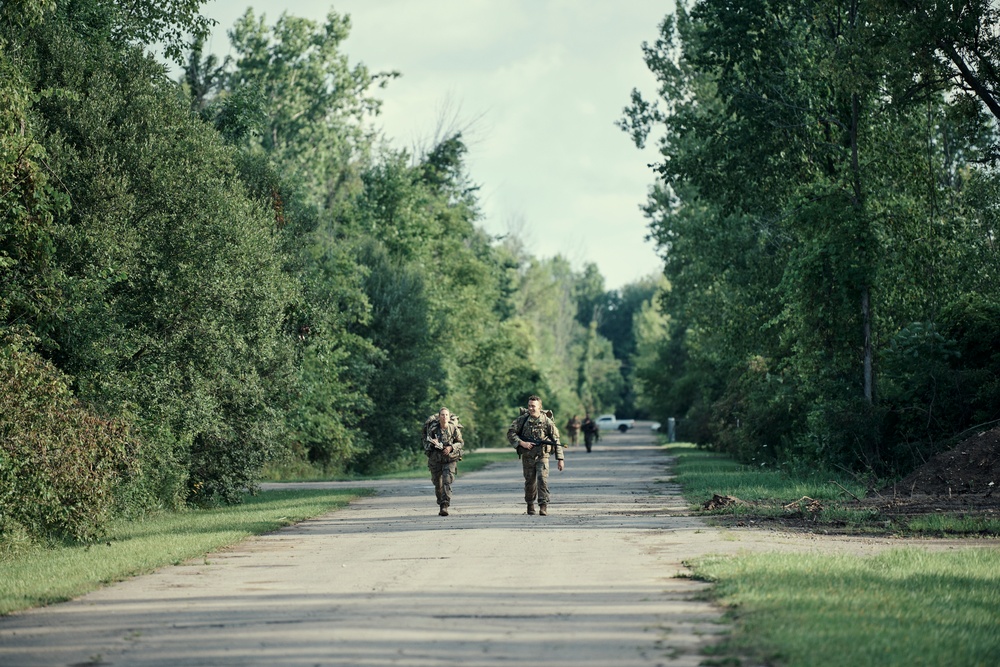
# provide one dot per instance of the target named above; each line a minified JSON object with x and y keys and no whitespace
{"x":766,"y":493}
{"x":902,"y":608}
{"x":702,"y":474}
{"x":41,"y":576}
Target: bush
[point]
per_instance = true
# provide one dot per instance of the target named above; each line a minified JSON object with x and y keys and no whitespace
{"x":60,"y":464}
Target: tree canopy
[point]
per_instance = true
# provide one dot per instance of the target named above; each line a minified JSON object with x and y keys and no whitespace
{"x":823,"y":203}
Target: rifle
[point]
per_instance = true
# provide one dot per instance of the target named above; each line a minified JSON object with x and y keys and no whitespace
{"x":454,"y":455}
{"x":540,"y":441}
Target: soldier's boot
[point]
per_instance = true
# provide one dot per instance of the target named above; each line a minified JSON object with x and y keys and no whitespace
{"x":543,"y":510}
{"x":531,"y":508}
{"x":444,"y":511}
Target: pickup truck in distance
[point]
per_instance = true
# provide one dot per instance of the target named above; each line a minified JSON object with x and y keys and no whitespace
{"x":610,"y":423}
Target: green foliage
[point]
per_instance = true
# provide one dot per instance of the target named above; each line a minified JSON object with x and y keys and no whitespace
{"x":172,"y":287}
{"x":817,"y":198}
{"x":333,"y":365}
{"x":651,"y":327}
{"x":314,"y":100}
{"x":30,"y":204}
{"x":617,"y":323}
{"x":403,"y":378}
{"x":227,"y":269}
{"x":61,"y":464}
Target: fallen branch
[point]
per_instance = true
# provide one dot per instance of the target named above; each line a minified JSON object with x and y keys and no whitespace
{"x":845,"y":490}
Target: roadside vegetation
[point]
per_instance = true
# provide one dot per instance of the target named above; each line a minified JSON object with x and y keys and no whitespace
{"x":32,"y":575}
{"x":741,"y":495}
{"x":225,"y":275}
{"x":903,"y":607}
{"x":825,"y":201}
{"x":897,"y":609}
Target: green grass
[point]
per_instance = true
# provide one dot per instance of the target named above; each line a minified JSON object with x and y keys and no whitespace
{"x":703,"y":473}
{"x":947,"y":524}
{"x":479,"y":460}
{"x":904,"y":607}
{"x":39,"y":576}
{"x":766,"y":492}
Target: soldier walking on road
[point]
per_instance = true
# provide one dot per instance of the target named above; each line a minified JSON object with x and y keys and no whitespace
{"x":443,"y":445}
{"x":573,"y":429}
{"x":590,"y":432}
{"x":535,"y":436}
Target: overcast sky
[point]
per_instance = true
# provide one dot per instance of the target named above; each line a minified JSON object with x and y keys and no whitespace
{"x":537,"y":85}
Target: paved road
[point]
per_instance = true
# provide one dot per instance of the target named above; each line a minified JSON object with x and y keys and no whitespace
{"x":388,"y":582}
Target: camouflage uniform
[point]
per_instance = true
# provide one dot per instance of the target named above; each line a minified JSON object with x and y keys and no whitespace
{"x":573,"y":429}
{"x":535,"y":461}
{"x":443,"y":466}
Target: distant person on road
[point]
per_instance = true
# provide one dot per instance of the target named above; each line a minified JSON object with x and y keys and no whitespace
{"x":591,"y":433}
{"x":443,"y":445}
{"x":573,"y":429}
{"x":534,"y":435}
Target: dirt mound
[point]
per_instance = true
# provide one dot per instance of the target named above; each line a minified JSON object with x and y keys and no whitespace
{"x":973,"y":467}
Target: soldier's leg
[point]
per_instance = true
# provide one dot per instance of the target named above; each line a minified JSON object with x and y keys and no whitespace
{"x":447,"y":477}
{"x":436,"y":478}
{"x":530,"y":481}
{"x":542,"y":477}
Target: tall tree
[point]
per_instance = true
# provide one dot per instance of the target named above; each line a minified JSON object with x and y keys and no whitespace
{"x":798,"y":165}
{"x":315,"y":100}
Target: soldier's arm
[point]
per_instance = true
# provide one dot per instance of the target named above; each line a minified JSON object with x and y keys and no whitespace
{"x":456,"y":441}
{"x":512,"y":437}
{"x":554,"y":436}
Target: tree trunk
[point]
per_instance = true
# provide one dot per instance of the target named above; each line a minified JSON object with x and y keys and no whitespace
{"x":866,"y":313}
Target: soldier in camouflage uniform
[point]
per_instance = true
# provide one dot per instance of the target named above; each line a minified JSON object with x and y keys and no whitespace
{"x":443,"y":445}
{"x":535,"y":425}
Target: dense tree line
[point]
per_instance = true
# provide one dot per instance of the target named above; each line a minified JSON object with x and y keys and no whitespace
{"x":201,"y":279}
{"x":826,"y":208}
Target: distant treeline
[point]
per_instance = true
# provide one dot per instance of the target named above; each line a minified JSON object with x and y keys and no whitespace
{"x":827,"y":207}
{"x":204,"y":278}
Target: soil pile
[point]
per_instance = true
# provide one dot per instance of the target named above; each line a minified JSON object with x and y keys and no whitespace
{"x":962,"y":481}
{"x":973,"y":467}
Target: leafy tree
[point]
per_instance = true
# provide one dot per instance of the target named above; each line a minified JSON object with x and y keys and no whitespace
{"x":314,"y":100}
{"x":649,"y":330}
{"x":808,"y":166}
{"x":173,"y":291}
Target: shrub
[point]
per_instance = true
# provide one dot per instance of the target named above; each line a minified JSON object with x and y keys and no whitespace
{"x":60,"y":463}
